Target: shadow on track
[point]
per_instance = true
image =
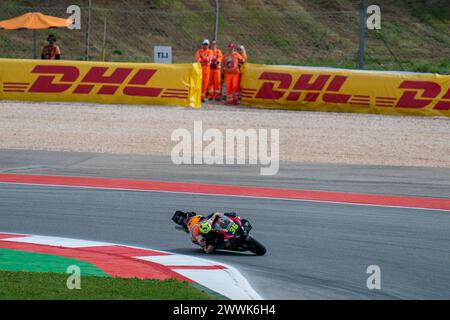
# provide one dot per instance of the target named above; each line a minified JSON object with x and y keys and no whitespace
{"x":199,"y":253}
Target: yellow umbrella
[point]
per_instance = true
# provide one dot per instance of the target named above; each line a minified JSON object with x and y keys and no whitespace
{"x":34,"y":21}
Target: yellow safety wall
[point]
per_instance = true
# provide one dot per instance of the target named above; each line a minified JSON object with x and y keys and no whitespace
{"x":339,"y":90}
{"x":101,"y":82}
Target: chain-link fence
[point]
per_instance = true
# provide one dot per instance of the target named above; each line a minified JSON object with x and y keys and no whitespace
{"x":131,"y":32}
{"x":297,"y":32}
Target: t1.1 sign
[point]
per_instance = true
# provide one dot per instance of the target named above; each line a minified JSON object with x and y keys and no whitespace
{"x":162,"y":54}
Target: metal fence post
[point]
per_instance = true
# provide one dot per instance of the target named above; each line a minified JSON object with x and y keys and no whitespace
{"x":34,"y":44}
{"x":216,"y":27}
{"x":88,"y":30}
{"x":104,"y":41}
{"x":362,"y":29}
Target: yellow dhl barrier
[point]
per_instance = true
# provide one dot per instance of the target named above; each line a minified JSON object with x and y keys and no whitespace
{"x":101,"y":82}
{"x":339,"y":90}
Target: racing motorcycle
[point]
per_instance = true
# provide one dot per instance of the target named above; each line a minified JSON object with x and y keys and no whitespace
{"x":233,"y":237}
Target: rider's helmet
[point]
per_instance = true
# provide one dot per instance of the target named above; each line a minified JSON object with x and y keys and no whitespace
{"x":205,"y":227}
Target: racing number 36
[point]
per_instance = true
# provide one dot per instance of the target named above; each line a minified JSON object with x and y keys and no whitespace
{"x":233,"y":228}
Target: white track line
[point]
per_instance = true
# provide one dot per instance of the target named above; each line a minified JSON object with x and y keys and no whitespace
{"x":60,"y":242}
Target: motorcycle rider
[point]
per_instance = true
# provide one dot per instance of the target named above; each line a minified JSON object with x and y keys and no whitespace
{"x":224,"y":231}
{"x":206,"y":231}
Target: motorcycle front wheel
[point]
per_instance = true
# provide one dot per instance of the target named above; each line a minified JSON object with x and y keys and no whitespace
{"x":254,"y":246}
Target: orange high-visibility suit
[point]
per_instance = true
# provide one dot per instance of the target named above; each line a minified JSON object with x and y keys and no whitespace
{"x":231,"y":71}
{"x":204,"y":56}
{"x":215,"y":84}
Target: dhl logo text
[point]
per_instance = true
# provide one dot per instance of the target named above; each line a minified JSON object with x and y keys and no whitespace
{"x":327,"y":87}
{"x":97,"y":80}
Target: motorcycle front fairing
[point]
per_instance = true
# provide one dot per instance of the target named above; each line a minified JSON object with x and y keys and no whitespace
{"x":230,"y":234}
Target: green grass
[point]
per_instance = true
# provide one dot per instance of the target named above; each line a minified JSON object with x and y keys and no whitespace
{"x":52,"y":286}
{"x":439,"y":11}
